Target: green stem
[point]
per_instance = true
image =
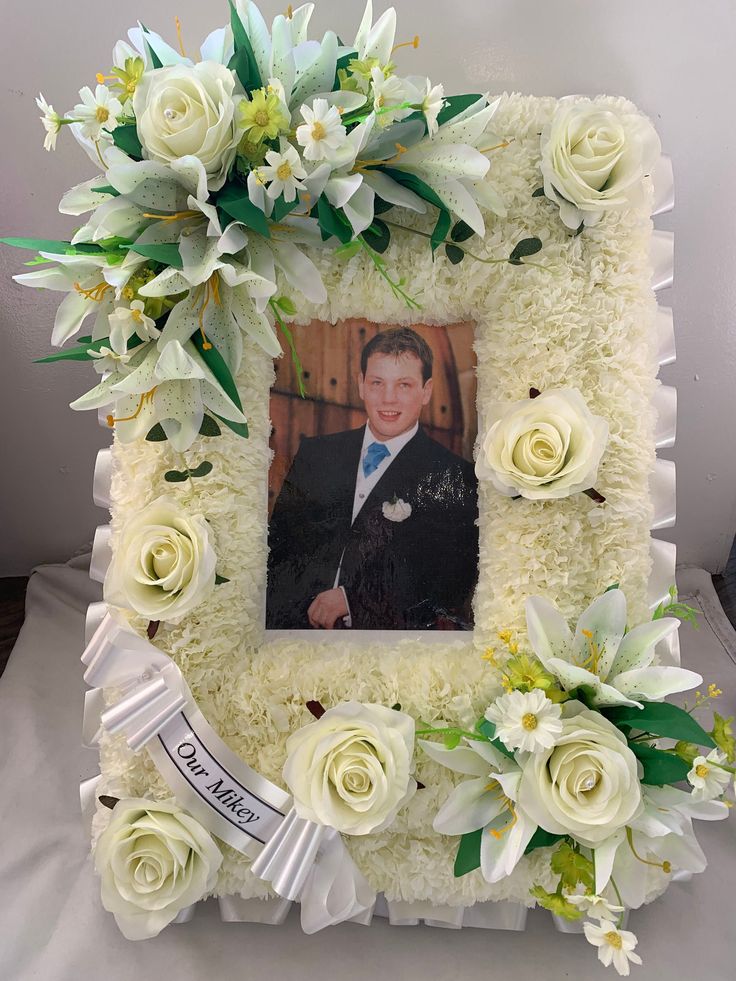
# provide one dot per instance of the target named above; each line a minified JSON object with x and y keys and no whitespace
{"x":478,"y":258}
{"x":620,"y":922}
{"x":452,"y":731}
{"x":396,"y":285}
{"x":292,"y":348}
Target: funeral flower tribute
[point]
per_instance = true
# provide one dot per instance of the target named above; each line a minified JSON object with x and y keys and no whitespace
{"x":232,"y":183}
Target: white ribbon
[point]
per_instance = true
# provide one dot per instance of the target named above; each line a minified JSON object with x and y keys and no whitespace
{"x":302,"y":860}
{"x":102,"y":479}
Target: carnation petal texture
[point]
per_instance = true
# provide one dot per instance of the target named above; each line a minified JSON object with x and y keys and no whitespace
{"x":541,"y":448}
{"x":153,"y":860}
{"x":351,"y":769}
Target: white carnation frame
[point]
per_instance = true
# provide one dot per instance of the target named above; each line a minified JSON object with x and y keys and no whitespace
{"x":593,"y":322}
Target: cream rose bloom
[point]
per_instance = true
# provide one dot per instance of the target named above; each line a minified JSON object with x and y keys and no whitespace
{"x":546,"y":447}
{"x":594,"y":160}
{"x":189,"y":110}
{"x":587,"y":784}
{"x":154,"y":860}
{"x":351,"y":769}
{"x":164,"y":564}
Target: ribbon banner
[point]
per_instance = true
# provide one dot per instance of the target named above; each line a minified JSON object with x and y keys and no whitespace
{"x":301,"y":860}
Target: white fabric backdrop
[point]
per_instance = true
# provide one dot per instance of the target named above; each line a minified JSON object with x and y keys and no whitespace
{"x":53,"y":928}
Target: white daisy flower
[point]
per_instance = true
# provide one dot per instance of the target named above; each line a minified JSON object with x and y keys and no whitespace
{"x":432,"y":105}
{"x":51,"y":122}
{"x":97,"y":111}
{"x":528,"y":721}
{"x":108,"y":360}
{"x":284,"y":173}
{"x":126,"y":321}
{"x":322,"y":132}
{"x":707,"y":777}
{"x":596,"y":907}
{"x":614,"y":946}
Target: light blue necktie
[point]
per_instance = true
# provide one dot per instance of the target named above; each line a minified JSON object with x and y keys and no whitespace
{"x":375,"y":453}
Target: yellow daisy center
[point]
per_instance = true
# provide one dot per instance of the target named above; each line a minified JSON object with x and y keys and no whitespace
{"x":318,"y":131}
{"x":283,"y":171}
{"x":261,"y":117}
{"x":102,"y":114}
{"x":137,"y":316}
{"x":701,"y":770}
{"x":614,"y":939}
{"x":529,"y":721}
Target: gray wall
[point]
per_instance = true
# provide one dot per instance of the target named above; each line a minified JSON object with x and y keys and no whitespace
{"x":674,"y":58}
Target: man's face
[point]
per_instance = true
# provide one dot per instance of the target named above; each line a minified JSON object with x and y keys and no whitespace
{"x":394,"y":393}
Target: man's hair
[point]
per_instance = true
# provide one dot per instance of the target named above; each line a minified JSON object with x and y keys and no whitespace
{"x":398,"y":341}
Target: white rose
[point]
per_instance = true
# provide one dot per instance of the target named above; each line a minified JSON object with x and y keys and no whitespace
{"x":351,"y":769}
{"x":546,"y":447}
{"x":396,"y":510}
{"x":154,"y":860}
{"x":189,"y":110}
{"x":587,"y":784}
{"x":594,"y":160}
{"x":164,"y":564}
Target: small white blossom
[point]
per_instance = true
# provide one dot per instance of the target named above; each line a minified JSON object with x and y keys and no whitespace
{"x":284,"y":173}
{"x":322,"y":132}
{"x":596,"y":907}
{"x":528,"y":721}
{"x":108,"y":360}
{"x":614,"y":946}
{"x":126,"y":321}
{"x":97,"y":111}
{"x":707,"y":777}
{"x":390,"y":96}
{"x":432,"y":105}
{"x":51,"y":122}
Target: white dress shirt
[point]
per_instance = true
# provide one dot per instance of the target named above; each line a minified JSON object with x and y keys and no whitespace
{"x":364,"y":485}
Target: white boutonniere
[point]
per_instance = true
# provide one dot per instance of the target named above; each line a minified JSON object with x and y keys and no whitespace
{"x":396,"y":509}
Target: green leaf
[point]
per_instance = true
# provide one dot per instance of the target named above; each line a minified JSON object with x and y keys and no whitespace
{"x":81,"y":351}
{"x":155,"y":60}
{"x":661,"y":719}
{"x":215,"y":362}
{"x":461,"y":231}
{"x":451,"y":739}
{"x":349,"y":250}
{"x":208,"y":428}
{"x":614,"y":585}
{"x":378,"y":235}
{"x":156,"y":434}
{"x":234,"y":201}
{"x":659,"y":767}
{"x":176,"y":476}
{"x":454,"y":254}
{"x":286,"y":304}
{"x":542,"y":839}
{"x":243,"y":62}
{"x":282,"y":208}
{"x":454,"y":105}
{"x":527,"y":246}
{"x":380,"y":206}
{"x":539,"y":193}
{"x":219,"y":580}
{"x":573,"y":867}
{"x":106,"y":189}
{"x":332,"y":222}
{"x":414,"y":183}
{"x":556,"y":903}
{"x":166,"y":253}
{"x":486,"y":728}
{"x":126,"y":139}
{"x":52,"y":245}
{"x":468,"y":853}
{"x":202,"y":470}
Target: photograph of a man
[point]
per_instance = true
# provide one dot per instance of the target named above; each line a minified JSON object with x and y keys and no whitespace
{"x":375,"y":527}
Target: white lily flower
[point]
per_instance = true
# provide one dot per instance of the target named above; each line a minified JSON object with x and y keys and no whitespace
{"x":614,"y":946}
{"x":108,"y":360}
{"x":390,"y":96}
{"x":172,"y":387}
{"x":143,"y":39}
{"x":707,"y":777}
{"x":322,"y":132}
{"x":432,"y":104}
{"x":126,"y":321}
{"x":97,"y":111}
{"x":114,"y":216}
{"x":527,"y":721}
{"x":376,"y":40}
{"x":51,"y":122}
{"x":488,"y":801}
{"x":85,"y":196}
{"x":284,"y":173}
{"x":614,"y":666}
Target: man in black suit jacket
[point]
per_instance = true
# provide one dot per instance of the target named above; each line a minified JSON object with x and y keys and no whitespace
{"x":375,"y":528}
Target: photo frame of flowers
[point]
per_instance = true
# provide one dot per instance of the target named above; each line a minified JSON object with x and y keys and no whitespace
{"x":324,"y":186}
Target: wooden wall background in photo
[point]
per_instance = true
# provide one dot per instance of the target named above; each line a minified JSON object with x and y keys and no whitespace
{"x":330,"y":356}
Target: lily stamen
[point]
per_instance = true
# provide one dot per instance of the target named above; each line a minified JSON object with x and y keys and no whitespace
{"x":176,"y":216}
{"x":179,"y":36}
{"x":95,"y":293}
{"x":101,"y":79}
{"x":145,"y":397}
{"x":665,"y":865}
{"x":208,"y":290}
{"x":414,"y":43}
{"x":498,"y":146}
